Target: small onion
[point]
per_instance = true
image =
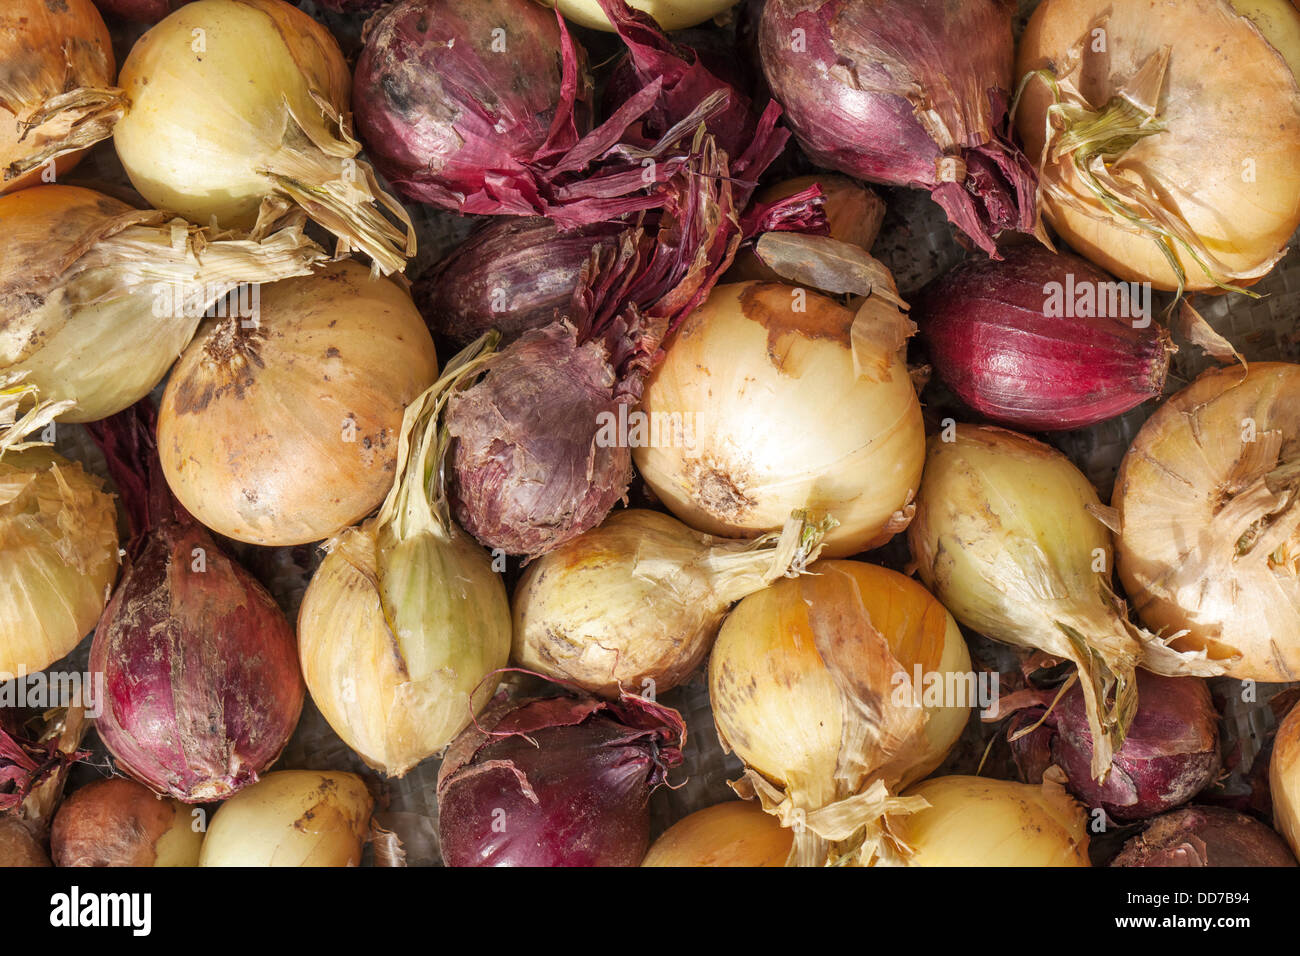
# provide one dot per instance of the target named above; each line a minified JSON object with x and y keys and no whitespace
{"x":118,"y":822}
{"x":1284,"y":779}
{"x":782,"y":420}
{"x":1205,"y":836}
{"x":18,"y":847}
{"x":1208,"y":501}
{"x":284,"y":430}
{"x":292,"y":818}
{"x":736,"y":833}
{"x":813,"y":685}
{"x":669,"y":14}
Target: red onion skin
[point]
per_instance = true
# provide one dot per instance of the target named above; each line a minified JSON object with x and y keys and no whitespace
{"x":573,"y":792}
{"x":1205,"y":836}
{"x":991,"y":343}
{"x":202,"y":684}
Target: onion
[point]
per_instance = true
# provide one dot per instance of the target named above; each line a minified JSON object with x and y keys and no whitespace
{"x":736,"y":833}
{"x":57,"y":88}
{"x":783,"y":422}
{"x":1042,"y":342}
{"x":79,"y":268}
{"x":636,"y":603}
{"x":58,"y":557}
{"x":909,"y":93}
{"x":406,"y":618}
{"x":1284,"y":779}
{"x":239,"y":109}
{"x":286,"y":432}
{"x":1205,"y":836}
{"x":1208,"y":501}
{"x":118,"y":822}
{"x":813,"y":683}
{"x":292,"y":818}
{"x":563,"y":781}
{"x":201,"y":683}
{"x":18,"y":847}
{"x":1005,"y":537}
{"x":1170,"y":152}
{"x":972,"y":821}
{"x":146,"y":11}
{"x":38,"y":750}
{"x":670,"y":14}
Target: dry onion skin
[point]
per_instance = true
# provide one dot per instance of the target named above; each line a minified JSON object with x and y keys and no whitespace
{"x":97,"y":299}
{"x":1208,"y":501}
{"x":634,"y":605}
{"x":736,"y":833}
{"x":118,"y":822}
{"x":1185,"y":174}
{"x":767,"y":376}
{"x":974,"y":821}
{"x":292,"y":818}
{"x":1284,"y":779}
{"x":239,"y":108}
{"x":56,"y":91}
{"x":669,"y":14}
{"x":285,"y":430}
{"x":812,"y":682}
{"x":58,"y":557}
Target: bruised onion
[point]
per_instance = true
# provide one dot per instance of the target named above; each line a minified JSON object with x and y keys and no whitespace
{"x":1043,"y":342}
{"x":1284,"y":779}
{"x":118,"y":822}
{"x":735,"y":833}
{"x":1205,"y":836}
{"x":200,"y":667}
{"x":907,"y":93}
{"x":562,"y":781}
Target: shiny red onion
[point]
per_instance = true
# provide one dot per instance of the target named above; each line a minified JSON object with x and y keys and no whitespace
{"x":562,"y":781}
{"x":909,"y":93}
{"x":1205,"y":836}
{"x":202,"y":687}
{"x":1021,"y":341}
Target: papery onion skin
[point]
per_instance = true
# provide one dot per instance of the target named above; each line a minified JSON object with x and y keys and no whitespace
{"x":735,"y":833}
{"x":670,"y":14}
{"x":1205,"y":836}
{"x":992,"y":340}
{"x":292,"y":818}
{"x":58,"y":557}
{"x":1284,"y":779}
{"x":782,"y":422}
{"x":1229,"y":105}
{"x":559,"y":782}
{"x":286,"y":432}
{"x":1201,"y":463}
{"x":18,"y":847}
{"x":118,"y":822}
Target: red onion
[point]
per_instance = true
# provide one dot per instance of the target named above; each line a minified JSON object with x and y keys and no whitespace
{"x":909,"y":93}
{"x":202,"y":687}
{"x":1020,"y":342}
{"x":1170,"y":754}
{"x":563,"y":781}
{"x":1205,"y":836}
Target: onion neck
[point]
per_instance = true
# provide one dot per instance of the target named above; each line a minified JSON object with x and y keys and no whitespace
{"x":736,"y":570}
{"x":128,"y":441}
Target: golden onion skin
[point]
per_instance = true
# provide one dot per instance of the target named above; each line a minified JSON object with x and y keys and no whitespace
{"x":735,"y":833}
{"x":1284,"y":779}
{"x":287,"y":432}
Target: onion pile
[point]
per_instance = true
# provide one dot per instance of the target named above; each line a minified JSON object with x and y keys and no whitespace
{"x":118,"y":822}
{"x":1168,"y":142}
{"x":284,"y":430}
{"x":1208,"y":501}
{"x":736,"y":833}
{"x":1205,"y":836}
{"x":1284,"y":779}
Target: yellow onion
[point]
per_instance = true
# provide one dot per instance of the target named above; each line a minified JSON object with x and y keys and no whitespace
{"x":1284,"y":779}
{"x":635,"y":604}
{"x":736,"y":833}
{"x":58,"y":557}
{"x":790,"y":409}
{"x":240,"y":103}
{"x":406,"y":618}
{"x":284,"y":430}
{"x":1006,"y":537}
{"x":97,"y":299}
{"x":1168,"y":134}
{"x":56,"y":89}
{"x":118,"y":822}
{"x":670,"y":14}
{"x":813,"y":683}
{"x":1208,"y":502}
{"x":292,"y":818}
{"x":973,"y":821}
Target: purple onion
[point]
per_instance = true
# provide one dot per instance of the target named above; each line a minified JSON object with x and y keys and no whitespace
{"x":561,"y":781}
{"x":1205,"y":836}
{"x":908,"y":93}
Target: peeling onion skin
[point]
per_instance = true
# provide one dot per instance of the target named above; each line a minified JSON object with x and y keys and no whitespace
{"x":992,"y":343}
{"x":118,"y":822}
{"x":1205,"y":836}
{"x":1284,"y":779}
